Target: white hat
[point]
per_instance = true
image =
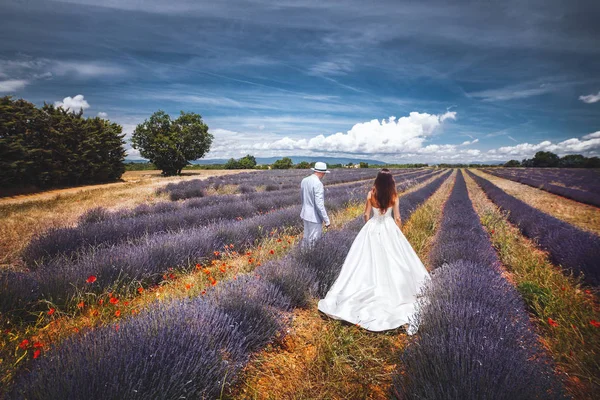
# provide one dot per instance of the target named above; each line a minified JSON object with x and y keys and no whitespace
{"x":320,"y":167}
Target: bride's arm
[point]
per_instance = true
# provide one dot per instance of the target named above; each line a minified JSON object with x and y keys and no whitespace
{"x":367,"y":214}
{"x":397,"y":212}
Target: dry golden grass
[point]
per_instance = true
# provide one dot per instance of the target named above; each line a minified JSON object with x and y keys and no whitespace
{"x":581,"y":215}
{"x":321,"y":358}
{"x":23,"y":216}
{"x":549,"y":293}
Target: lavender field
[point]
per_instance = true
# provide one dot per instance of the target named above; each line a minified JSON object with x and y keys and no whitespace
{"x":175,"y":298}
{"x":577,"y":184}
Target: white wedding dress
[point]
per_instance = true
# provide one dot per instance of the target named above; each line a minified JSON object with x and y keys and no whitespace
{"x":380,"y":280}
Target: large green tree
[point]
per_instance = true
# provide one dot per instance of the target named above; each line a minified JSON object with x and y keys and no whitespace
{"x":50,"y":146}
{"x":545,"y":159}
{"x":172,"y":144}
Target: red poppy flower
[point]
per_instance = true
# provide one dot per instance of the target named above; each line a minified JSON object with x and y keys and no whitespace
{"x":81,"y":304}
{"x":95,"y":313}
{"x":126,"y":303}
{"x":258,"y":264}
{"x":595,"y":323}
{"x":117,"y":328}
{"x":272,"y":251}
{"x":36,"y":354}
{"x":222,"y":269}
{"x":38,"y":345}
{"x":114,"y":300}
{"x":249,"y":253}
{"x":101,"y":301}
{"x":188,"y":286}
{"x":164,"y":277}
{"x":213,"y":281}
{"x":588,"y":291}
{"x":563,"y":288}
{"x":91,"y":279}
{"x":140,"y":289}
{"x":216,"y":253}
{"x":171,"y":276}
{"x":206,"y":271}
{"x":24,"y":344}
{"x":278,"y":240}
{"x":51,"y":311}
{"x":76,"y":330}
{"x":231,"y":245}
{"x":250,"y":261}
{"x":552,"y":322}
{"x":203,"y":292}
{"x":118,"y":313}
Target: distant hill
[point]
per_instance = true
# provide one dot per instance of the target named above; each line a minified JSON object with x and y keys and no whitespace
{"x":295,"y":159}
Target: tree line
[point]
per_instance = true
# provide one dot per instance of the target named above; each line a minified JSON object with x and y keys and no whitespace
{"x":548,"y":159}
{"x":50,"y":146}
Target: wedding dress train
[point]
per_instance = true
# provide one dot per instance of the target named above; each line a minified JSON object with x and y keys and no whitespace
{"x":380,"y":280}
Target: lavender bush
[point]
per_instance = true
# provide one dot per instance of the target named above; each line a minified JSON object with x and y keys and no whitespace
{"x":185,"y":349}
{"x":576,"y":250}
{"x":579,"y":184}
{"x":271,"y":180}
{"x":475,"y":340}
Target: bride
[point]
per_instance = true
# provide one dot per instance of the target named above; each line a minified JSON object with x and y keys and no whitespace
{"x":382,"y":275}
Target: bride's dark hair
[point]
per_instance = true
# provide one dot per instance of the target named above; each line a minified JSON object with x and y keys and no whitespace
{"x":385,"y":189}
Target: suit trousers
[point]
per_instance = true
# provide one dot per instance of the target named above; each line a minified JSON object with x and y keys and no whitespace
{"x":312,"y":232}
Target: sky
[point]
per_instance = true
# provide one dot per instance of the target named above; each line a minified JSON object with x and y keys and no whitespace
{"x":396,"y":81}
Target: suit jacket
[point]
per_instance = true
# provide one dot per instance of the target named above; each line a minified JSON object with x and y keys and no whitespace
{"x":313,"y":200}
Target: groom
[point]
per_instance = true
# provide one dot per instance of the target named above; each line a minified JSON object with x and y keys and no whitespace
{"x":313,"y":204}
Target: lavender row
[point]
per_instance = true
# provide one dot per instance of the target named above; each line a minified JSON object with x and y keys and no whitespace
{"x":475,"y":340}
{"x":271,"y":180}
{"x":589,"y":196}
{"x":183,"y":349}
{"x":146,"y":259}
{"x":99,"y":227}
{"x":194,"y":348}
{"x":576,"y":178}
{"x":573,"y":249}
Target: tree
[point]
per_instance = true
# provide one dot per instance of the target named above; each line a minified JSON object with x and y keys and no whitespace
{"x":364,"y":165}
{"x":247,"y":162}
{"x":572,"y":161}
{"x":284,"y":163}
{"x":545,"y":159}
{"x":232,"y":164}
{"x":303,"y":165}
{"x":50,"y":146}
{"x":592,"y":162}
{"x":512,"y":163}
{"x":171,"y":145}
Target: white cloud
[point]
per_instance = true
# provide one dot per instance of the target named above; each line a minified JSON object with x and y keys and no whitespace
{"x":12,"y":85}
{"x":73,"y":104}
{"x":590,"y":98}
{"x":393,"y":136}
{"x":592,"y":135}
{"x":590,"y":145}
{"x":133,"y":154}
{"x":85,"y":69}
{"x":327,"y":68}
{"x":103,"y":115}
{"x":519,"y":91}
{"x":469,"y":142}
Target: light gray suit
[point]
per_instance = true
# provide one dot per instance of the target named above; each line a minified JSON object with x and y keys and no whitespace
{"x":313,"y":208}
